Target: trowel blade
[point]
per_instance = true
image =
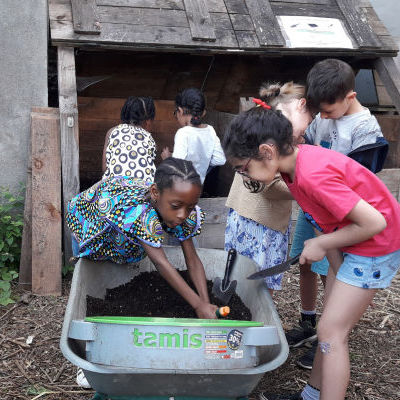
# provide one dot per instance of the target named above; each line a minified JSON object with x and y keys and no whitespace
{"x":223,"y":295}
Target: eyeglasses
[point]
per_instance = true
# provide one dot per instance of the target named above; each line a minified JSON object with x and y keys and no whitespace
{"x":243,"y":169}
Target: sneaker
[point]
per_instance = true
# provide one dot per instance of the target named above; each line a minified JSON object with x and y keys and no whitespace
{"x":81,"y":380}
{"x":306,"y":361}
{"x":301,"y":334}
{"x":274,"y":396}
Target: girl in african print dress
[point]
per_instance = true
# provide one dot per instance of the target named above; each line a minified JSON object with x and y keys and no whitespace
{"x":123,"y":219}
{"x":129,"y":148}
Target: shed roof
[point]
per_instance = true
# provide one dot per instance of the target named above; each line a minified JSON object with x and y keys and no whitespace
{"x":218,"y":26}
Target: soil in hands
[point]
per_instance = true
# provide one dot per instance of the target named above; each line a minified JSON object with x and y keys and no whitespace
{"x":149,"y":295}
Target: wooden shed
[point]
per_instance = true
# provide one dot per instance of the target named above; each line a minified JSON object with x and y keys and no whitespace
{"x":111,"y":49}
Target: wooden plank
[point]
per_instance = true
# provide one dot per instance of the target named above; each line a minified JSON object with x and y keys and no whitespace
{"x":310,"y":9}
{"x":85,"y":17}
{"x":390,"y":76}
{"x":199,"y":18}
{"x":358,"y":24}
{"x":247,"y":40}
{"x":221,"y":20}
{"x":164,"y":4}
{"x":46,"y":205}
{"x":69,"y":131}
{"x":143,"y":16}
{"x":136,"y":36}
{"x":216,"y":6}
{"x":236,"y":6}
{"x":242,"y":22}
{"x":265,"y":23}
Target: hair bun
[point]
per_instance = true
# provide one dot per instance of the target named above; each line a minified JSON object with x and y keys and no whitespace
{"x":268,"y":90}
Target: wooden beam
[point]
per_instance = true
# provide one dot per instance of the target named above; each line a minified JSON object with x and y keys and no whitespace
{"x":390,"y":76}
{"x":46,"y":204}
{"x":69,"y":130}
{"x":265,"y":23}
{"x":85,"y":17}
{"x":358,"y":24}
{"x":199,"y":19}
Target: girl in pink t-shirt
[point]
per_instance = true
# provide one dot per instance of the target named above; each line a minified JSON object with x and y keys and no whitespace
{"x":358,"y":220}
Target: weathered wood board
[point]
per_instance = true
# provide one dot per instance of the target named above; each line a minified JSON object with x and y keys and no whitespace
{"x":209,"y":25}
{"x":69,"y":131}
{"x":46,"y":204}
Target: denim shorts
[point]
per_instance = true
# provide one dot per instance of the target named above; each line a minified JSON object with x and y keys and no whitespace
{"x":369,"y":272}
{"x":303,"y":232}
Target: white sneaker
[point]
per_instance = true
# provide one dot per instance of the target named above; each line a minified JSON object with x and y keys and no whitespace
{"x":81,"y":379}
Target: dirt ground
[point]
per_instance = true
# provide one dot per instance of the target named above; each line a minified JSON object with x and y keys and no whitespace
{"x":32,"y":366}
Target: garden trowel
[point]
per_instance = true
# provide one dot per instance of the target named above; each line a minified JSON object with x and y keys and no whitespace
{"x":223,"y":289}
{"x":277,"y":269}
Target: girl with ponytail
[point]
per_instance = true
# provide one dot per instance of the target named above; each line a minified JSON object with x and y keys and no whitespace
{"x":195,"y":141}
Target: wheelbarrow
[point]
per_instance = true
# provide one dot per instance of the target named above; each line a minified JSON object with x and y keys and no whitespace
{"x":194,"y":369}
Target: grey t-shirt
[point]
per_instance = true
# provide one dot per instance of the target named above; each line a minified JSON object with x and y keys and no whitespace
{"x":346,"y":133}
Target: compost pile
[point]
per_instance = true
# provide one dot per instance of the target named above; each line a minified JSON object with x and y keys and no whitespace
{"x":149,"y":295}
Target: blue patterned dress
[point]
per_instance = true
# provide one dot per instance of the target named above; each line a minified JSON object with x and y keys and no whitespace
{"x":263,"y":245}
{"x":112,"y":218}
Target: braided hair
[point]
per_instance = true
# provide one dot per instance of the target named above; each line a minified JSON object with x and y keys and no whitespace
{"x":193,"y":103}
{"x":172,"y":169}
{"x":136,"y":110}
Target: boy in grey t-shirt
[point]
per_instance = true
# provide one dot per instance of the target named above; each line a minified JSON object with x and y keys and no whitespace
{"x":342,"y":123}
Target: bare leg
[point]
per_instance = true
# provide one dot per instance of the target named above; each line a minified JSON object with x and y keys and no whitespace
{"x":335,"y":258}
{"x":308,"y":287}
{"x":271,"y":292}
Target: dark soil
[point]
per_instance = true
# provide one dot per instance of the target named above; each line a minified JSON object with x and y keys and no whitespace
{"x":149,"y":295}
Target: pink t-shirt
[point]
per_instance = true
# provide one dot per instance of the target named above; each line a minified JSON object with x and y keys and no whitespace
{"x":327,"y":186}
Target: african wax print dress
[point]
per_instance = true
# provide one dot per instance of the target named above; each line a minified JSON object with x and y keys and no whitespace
{"x":131,"y":152}
{"x":112,"y":218}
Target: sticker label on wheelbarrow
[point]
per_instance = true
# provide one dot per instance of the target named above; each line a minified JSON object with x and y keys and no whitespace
{"x":217,"y":344}
{"x":234,"y":339}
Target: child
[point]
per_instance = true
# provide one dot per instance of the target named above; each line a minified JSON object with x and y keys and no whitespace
{"x":344,"y":125}
{"x":129,"y":149}
{"x":122,"y":220}
{"x":258,"y":222}
{"x":195,"y":141}
{"x":357,"y":216}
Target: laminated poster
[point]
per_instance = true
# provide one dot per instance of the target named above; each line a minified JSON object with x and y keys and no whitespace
{"x":302,"y":31}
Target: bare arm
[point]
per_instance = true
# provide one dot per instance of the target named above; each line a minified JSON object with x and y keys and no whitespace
{"x":367,"y":222}
{"x":104,"y":162}
{"x":195,"y":268}
{"x":170,"y":274}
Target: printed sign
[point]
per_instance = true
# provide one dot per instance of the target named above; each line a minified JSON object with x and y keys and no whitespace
{"x":303,"y":31}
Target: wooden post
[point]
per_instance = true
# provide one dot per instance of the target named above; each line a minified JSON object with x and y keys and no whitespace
{"x":69,"y":130}
{"x":46,"y":204}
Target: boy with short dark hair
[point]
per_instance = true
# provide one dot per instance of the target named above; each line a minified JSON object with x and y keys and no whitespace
{"x":342,"y":123}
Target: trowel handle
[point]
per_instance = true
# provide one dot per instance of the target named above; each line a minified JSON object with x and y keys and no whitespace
{"x":228,"y":268}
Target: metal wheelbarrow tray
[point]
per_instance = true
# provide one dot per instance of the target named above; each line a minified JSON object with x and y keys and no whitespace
{"x":171,"y":373}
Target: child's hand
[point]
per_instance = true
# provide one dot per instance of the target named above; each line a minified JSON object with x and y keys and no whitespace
{"x":313,"y":251}
{"x":206,"y":310}
{"x":165,"y":153}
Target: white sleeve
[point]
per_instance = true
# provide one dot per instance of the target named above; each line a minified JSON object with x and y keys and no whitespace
{"x":180,"y":145}
{"x":218,"y":156}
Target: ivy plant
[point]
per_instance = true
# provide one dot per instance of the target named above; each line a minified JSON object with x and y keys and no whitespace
{"x":11,"y":225}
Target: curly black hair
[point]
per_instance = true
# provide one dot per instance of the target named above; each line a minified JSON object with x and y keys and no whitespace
{"x":192,"y":102}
